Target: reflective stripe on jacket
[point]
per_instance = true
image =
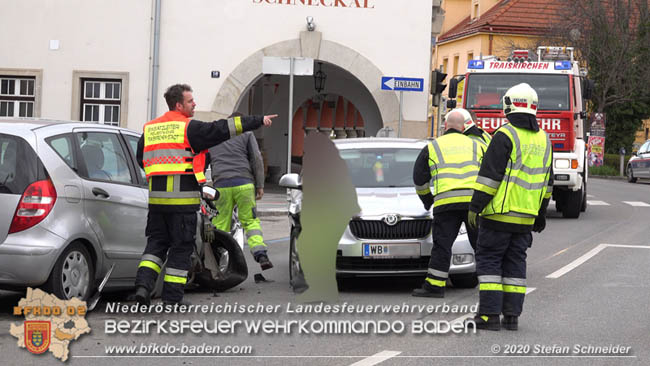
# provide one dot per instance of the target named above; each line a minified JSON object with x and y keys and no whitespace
{"x":167,"y":152}
{"x":454,"y":164}
{"x":518,"y":196}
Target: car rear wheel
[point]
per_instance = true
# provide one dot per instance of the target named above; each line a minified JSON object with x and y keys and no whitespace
{"x":630,"y":175}
{"x":465,"y":280}
{"x":73,"y":274}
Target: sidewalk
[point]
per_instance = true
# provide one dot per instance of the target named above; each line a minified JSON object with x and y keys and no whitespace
{"x":274,"y":202}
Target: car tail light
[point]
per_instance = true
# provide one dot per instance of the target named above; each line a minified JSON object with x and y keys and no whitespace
{"x":35,"y":204}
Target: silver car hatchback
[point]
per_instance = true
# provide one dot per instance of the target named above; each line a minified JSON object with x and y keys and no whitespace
{"x":74,"y":202}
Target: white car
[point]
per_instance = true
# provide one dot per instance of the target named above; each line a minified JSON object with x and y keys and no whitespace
{"x":391,"y":236}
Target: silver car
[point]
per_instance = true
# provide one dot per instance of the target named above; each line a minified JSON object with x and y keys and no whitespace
{"x":392,"y":233}
{"x":639,"y":165}
{"x":74,"y":202}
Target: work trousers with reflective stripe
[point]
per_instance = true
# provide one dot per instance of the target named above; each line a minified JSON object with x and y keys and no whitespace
{"x":501,"y":270}
{"x":445,"y":230}
{"x":244,"y":197}
{"x":170,"y":236}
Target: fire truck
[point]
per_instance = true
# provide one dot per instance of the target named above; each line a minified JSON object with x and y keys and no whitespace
{"x":562,"y":92}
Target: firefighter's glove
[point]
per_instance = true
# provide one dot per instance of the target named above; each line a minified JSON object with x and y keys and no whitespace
{"x":540,"y":224}
{"x":472,"y":218}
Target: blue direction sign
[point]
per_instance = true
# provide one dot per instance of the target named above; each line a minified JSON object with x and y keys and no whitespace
{"x":402,"y":84}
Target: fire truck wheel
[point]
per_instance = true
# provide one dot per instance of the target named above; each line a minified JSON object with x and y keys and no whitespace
{"x":572,"y":205}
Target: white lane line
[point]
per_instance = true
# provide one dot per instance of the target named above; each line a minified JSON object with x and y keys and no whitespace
{"x":637,"y":203}
{"x":462,"y":318}
{"x":597,"y":203}
{"x":530,"y":289}
{"x":376,"y":358}
{"x":564,"y":270}
{"x":590,"y":196}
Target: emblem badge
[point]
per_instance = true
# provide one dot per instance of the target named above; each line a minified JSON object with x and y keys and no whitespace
{"x":391,"y":219}
{"x":37,"y":335}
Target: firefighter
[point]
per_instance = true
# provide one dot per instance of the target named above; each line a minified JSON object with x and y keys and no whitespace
{"x":473,"y":131}
{"x":172,"y":153}
{"x":511,"y":194}
{"x":238,"y":174}
{"x":444,"y":175}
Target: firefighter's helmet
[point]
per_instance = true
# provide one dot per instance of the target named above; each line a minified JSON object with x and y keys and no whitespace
{"x":521,"y":98}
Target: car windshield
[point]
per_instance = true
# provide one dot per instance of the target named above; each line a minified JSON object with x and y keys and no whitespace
{"x":380,"y":167}
{"x":486,"y":90}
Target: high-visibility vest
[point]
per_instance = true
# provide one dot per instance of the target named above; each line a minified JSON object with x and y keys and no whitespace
{"x":167,"y":152}
{"x":518,"y":196}
{"x":454,"y":164}
{"x":483,"y":140}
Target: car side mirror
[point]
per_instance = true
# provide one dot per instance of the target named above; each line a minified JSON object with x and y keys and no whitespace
{"x":292,"y":181}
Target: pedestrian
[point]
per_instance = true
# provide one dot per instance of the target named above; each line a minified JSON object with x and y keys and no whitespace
{"x":172,"y":153}
{"x":444,"y":175}
{"x":473,"y":131}
{"x":238,"y":174}
{"x":512,"y":192}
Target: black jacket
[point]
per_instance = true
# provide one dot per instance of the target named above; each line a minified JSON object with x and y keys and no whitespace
{"x":494,"y":165}
{"x":201,"y":136}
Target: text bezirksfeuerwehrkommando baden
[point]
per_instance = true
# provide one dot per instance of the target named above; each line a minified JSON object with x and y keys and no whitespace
{"x":289,"y":308}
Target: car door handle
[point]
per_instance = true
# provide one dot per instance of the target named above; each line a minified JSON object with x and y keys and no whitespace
{"x":100,"y":192}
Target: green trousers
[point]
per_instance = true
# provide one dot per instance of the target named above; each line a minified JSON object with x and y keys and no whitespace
{"x":244,"y":197}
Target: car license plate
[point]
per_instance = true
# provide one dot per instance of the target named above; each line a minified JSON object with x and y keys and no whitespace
{"x":396,"y":250}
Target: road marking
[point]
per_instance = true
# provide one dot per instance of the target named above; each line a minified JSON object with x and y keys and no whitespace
{"x":277,"y":240}
{"x":376,"y":358}
{"x":637,"y":203}
{"x":569,"y":267}
{"x":560,"y":252}
{"x":597,"y":203}
{"x":530,"y":289}
{"x":590,"y":196}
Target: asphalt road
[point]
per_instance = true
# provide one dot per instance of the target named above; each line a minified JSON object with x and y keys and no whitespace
{"x":587,"y":277}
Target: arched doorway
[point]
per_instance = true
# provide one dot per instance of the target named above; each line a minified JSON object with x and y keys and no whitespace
{"x":349,"y":75}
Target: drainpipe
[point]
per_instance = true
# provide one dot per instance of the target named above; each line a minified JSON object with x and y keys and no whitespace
{"x":155,"y":61}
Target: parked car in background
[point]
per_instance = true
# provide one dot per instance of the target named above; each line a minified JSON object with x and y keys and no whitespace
{"x":391,"y":236}
{"x":74,"y":202}
{"x":639,"y":165}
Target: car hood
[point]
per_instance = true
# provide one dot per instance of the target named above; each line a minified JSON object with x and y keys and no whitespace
{"x":380,"y":201}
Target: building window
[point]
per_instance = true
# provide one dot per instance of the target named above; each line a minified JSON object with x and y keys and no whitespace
{"x":470,"y":56}
{"x":456,"y":58}
{"x":101,"y":100}
{"x":475,"y":13}
{"x":17,"y":97}
{"x":445,"y":65}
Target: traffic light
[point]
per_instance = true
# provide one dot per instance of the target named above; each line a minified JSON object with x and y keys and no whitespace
{"x":437,"y":79}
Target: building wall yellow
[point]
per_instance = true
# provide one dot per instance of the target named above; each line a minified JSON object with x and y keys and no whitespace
{"x":455,"y":11}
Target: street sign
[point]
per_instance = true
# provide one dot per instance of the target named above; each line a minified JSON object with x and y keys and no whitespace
{"x":402,"y":84}
{"x":282,"y":65}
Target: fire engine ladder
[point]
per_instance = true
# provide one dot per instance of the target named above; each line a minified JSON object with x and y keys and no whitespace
{"x":546,"y":53}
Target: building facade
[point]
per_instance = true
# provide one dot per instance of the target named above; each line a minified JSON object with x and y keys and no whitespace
{"x":110,"y":62}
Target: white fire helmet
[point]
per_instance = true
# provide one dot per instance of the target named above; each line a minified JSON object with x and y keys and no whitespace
{"x":521,"y":98}
{"x":467,"y":118}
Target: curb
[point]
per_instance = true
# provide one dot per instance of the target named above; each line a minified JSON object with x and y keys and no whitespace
{"x":609,"y":177}
{"x":278,"y":212}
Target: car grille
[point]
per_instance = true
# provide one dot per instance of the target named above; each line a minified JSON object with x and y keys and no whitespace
{"x":381,"y":264}
{"x":376,"y":229}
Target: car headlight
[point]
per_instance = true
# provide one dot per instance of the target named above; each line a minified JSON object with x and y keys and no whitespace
{"x":462,"y":258}
{"x":562,"y":163}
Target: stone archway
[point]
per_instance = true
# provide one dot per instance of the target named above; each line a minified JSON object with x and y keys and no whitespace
{"x":310,"y":44}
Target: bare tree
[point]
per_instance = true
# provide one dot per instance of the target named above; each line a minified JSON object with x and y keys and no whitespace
{"x":611,"y":38}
